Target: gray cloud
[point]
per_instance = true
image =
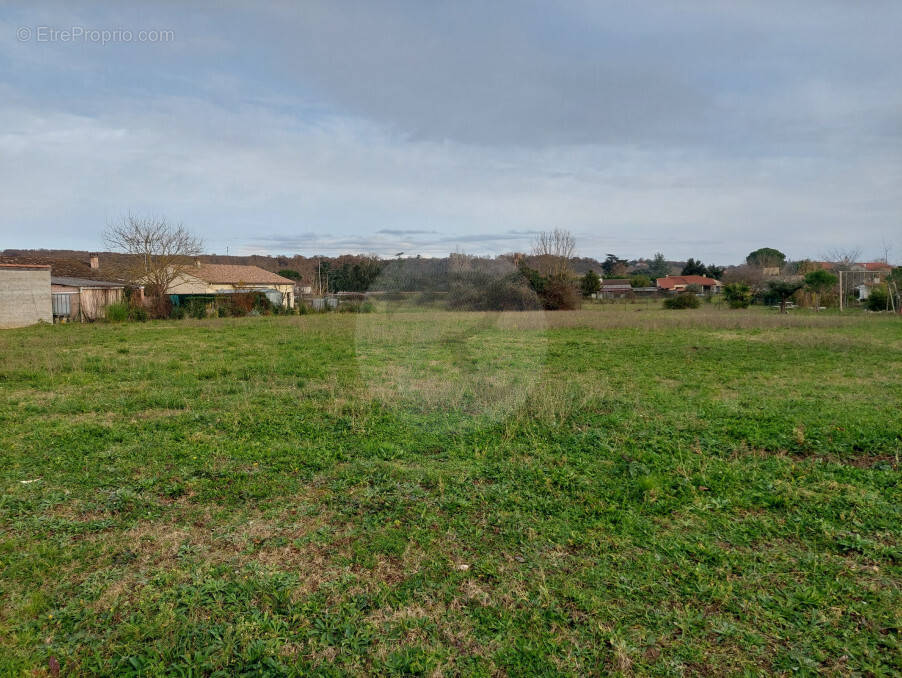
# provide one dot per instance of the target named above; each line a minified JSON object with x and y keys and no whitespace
{"x":401,"y":231}
{"x":699,"y":129}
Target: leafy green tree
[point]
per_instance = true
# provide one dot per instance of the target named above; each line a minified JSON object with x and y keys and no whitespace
{"x":737,"y":294}
{"x":556,"y":292}
{"x":658,"y":268}
{"x":290,"y":273}
{"x":590,"y":283}
{"x":784,"y":289}
{"x":694,"y":267}
{"x":640,"y":281}
{"x":536,"y":280}
{"x":613,"y":266}
{"x":356,"y":276}
{"x":819,"y":282}
{"x":896,"y":276}
{"x":766,"y":257}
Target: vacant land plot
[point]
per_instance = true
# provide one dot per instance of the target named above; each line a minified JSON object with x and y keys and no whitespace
{"x":586,"y":493}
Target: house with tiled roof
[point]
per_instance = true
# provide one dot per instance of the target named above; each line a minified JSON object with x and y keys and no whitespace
{"x":615,"y":288}
{"x":79,"y":289}
{"x":84,"y":267}
{"x":679,"y":283}
{"x":217,"y":279}
{"x":873,"y":267}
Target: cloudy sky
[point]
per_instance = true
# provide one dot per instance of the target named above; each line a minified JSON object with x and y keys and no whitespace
{"x":697,"y":128}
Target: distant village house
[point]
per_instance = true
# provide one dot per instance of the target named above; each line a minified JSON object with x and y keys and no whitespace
{"x":219,"y":279}
{"x":615,"y":288}
{"x":76,"y":290}
{"x":679,"y":283}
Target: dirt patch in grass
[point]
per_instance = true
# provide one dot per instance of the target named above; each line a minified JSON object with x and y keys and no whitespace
{"x":862,"y":460}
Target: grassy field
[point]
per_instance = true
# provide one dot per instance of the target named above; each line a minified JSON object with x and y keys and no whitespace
{"x":618,"y":490}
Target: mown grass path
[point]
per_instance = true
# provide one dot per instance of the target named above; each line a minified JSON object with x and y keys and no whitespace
{"x":657,"y":494}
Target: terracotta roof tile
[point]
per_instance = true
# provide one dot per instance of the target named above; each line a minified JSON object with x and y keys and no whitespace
{"x":62,"y":266}
{"x":24,"y":266}
{"x":671,"y":281}
{"x":235,"y":273}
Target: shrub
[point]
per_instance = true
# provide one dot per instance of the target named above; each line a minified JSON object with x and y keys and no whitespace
{"x":262,"y":304}
{"x":560,"y":295}
{"x":681,"y":301}
{"x":117,"y":312}
{"x":160,"y":306}
{"x":356,"y":307}
{"x":488,"y":293}
{"x":877,"y":299}
{"x":737,"y":295}
{"x":196,"y":308}
{"x":241,"y":303}
{"x":137,"y":313}
{"x":177,"y":312}
{"x":536,"y":280}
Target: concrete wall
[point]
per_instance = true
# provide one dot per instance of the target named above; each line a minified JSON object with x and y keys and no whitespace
{"x":24,"y":296}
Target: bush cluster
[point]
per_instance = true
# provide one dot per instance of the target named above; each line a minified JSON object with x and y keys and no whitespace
{"x":681,"y":301}
{"x":123,"y":310}
{"x":560,"y":295}
{"x":356,"y":307}
{"x":555,"y":293}
{"x":117,"y":313}
{"x":490,"y":293}
{"x":737,"y":295}
{"x":878,"y":299}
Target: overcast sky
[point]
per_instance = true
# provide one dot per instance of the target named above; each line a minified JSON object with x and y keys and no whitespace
{"x":692,"y":127}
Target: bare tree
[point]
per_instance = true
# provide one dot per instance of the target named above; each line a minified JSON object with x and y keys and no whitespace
{"x":554,"y":250}
{"x":886,"y":249}
{"x":752,"y":276}
{"x":161,"y":251}
{"x":844,"y":257}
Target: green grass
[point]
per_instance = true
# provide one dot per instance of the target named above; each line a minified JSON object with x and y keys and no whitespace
{"x":622,"y":490}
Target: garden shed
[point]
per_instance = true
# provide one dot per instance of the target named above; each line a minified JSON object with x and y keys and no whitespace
{"x":82,"y":299}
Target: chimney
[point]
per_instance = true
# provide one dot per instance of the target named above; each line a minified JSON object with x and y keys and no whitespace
{"x":95,"y":261}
